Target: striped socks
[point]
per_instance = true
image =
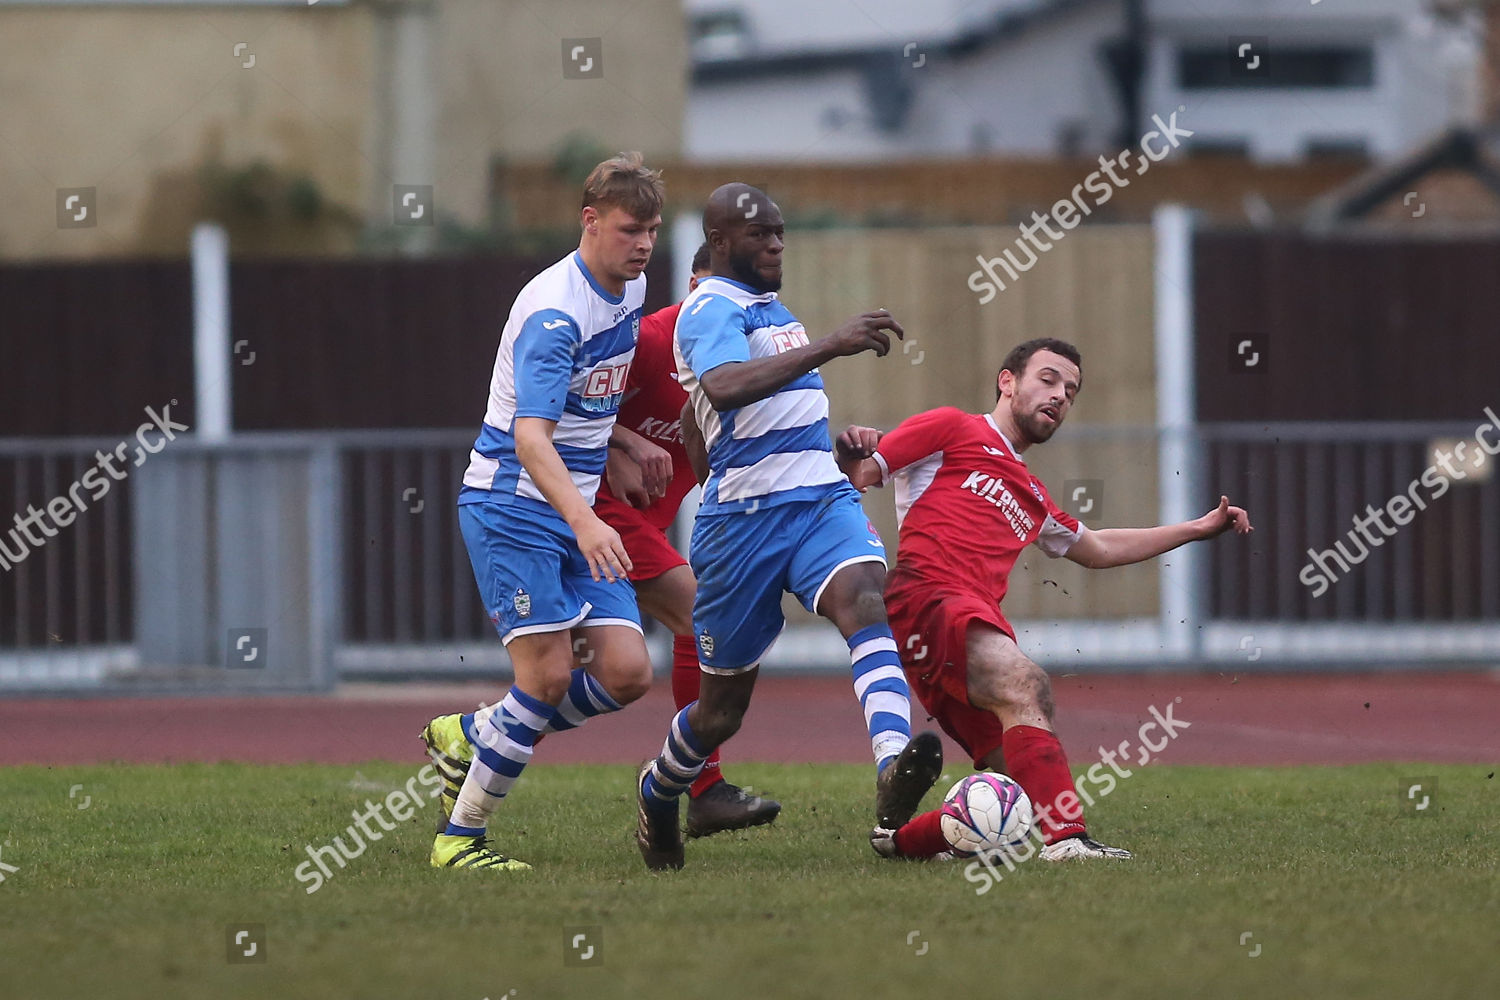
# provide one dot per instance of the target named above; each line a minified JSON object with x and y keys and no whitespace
{"x":503,"y":740}
{"x":585,"y":699}
{"x":880,"y":685}
{"x":687,"y":675}
{"x":681,"y":761}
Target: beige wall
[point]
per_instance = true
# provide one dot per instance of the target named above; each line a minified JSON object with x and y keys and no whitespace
{"x":134,"y":101}
{"x":1093,"y":289}
{"x":501,"y":79}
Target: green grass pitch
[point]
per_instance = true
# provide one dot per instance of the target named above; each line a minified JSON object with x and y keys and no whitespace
{"x":1315,"y":882}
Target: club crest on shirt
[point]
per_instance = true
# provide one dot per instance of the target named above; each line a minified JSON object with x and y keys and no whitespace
{"x":522,"y":603}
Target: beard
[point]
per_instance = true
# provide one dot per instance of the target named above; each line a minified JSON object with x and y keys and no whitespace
{"x":1035,"y":429}
{"x":742,"y":266}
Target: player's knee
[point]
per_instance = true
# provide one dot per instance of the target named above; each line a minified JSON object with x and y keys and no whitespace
{"x":625,"y":682}
{"x":553,"y":687}
{"x":1033,"y":689}
{"x":869,"y":607}
{"x":857,"y":610}
{"x":1044,"y":695}
{"x":678,"y":623}
{"x":632,"y":688}
{"x":1021,"y":687}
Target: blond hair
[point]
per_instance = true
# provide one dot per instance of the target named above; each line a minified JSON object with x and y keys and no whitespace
{"x":624,"y":181}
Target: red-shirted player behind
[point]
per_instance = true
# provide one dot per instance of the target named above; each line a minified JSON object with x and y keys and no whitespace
{"x":967,"y":506}
{"x":645,"y":482}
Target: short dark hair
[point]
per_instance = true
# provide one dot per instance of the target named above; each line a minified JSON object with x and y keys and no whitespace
{"x":1020,"y":356}
{"x":700,"y":259}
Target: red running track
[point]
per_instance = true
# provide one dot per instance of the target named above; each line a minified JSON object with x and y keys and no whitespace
{"x":1252,"y":720}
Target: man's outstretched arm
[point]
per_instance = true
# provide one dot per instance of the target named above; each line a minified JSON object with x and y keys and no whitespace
{"x":740,"y":383}
{"x":1109,"y":547}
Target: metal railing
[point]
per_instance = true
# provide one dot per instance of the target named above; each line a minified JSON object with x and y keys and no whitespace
{"x":401,"y":597}
{"x":1308,"y":483}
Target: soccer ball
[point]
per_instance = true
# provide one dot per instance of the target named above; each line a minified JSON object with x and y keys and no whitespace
{"x":985,"y":812}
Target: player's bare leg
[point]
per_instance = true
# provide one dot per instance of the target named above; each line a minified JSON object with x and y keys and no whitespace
{"x":616,"y":657}
{"x":714,"y":804}
{"x":611,"y":668}
{"x":669,"y":598}
{"x":608,"y":670}
{"x":603,"y":667}
{"x":695,"y":733}
{"x":1007,"y":682}
{"x":907,"y":767}
{"x":1003,"y":680}
{"x":502,"y":739}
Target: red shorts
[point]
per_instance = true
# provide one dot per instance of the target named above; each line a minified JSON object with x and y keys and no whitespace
{"x":650,"y":552}
{"x":931,"y":627}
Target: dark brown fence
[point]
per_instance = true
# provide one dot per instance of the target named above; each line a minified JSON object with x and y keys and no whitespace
{"x":389,"y":344}
{"x":84,"y":349}
{"x":1341,"y":330}
{"x":1345,"y":329}
{"x":1299,"y":329}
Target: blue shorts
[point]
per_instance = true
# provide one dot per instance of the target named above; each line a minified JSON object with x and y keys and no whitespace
{"x":745,"y":561}
{"x":532,"y":576}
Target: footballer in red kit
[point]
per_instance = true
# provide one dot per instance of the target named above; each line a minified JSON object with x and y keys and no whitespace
{"x":647,"y":476}
{"x":957,"y":552}
{"x":967,"y":506}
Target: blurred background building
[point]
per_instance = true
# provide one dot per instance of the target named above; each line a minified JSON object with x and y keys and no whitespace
{"x":1070,"y":77}
{"x":1293,"y":304}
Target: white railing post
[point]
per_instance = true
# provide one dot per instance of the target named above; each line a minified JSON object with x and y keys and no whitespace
{"x":213,"y":410}
{"x":1180,"y":586}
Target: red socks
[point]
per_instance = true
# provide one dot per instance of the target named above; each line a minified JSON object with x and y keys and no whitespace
{"x":685,"y":676}
{"x":923,"y":836}
{"x":1037,"y":762}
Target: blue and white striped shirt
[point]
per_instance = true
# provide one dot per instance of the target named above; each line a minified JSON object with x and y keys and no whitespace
{"x":775,"y":450}
{"x":564,"y":355}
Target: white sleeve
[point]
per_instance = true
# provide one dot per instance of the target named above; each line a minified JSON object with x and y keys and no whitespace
{"x":1056,"y":539}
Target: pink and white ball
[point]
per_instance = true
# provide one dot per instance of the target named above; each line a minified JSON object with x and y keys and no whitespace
{"x":985,"y":812}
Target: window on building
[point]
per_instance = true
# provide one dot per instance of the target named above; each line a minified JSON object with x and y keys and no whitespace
{"x":1337,"y":148}
{"x":1208,"y":146}
{"x":1261,"y":66}
{"x":720,"y":34}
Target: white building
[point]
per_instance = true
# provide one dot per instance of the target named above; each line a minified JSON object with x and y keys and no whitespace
{"x":843,"y":80}
{"x":1376,"y":77}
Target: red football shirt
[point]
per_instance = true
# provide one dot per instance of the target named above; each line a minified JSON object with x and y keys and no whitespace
{"x":652,"y":407}
{"x":966,"y":503}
